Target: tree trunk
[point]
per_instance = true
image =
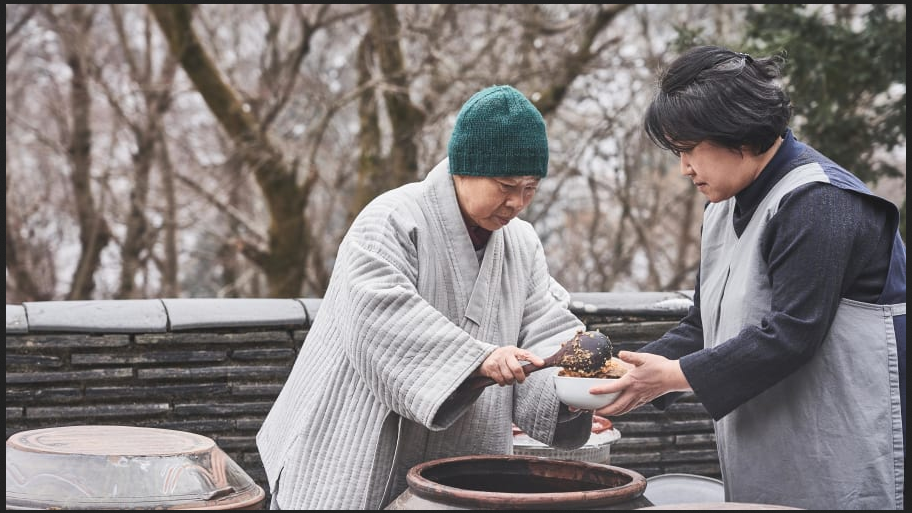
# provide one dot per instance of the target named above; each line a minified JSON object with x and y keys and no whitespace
{"x":405,"y":118}
{"x":156,"y":93}
{"x":370,"y":162}
{"x":378,"y":173}
{"x":94,"y":233}
{"x":170,"y":286}
{"x":284,"y":260}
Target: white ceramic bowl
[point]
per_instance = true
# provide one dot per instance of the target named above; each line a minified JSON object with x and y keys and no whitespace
{"x":574,"y":392}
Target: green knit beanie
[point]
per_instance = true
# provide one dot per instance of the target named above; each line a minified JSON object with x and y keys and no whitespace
{"x":499,"y":132}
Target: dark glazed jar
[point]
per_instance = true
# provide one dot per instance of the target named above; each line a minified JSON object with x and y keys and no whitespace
{"x":519,"y":482}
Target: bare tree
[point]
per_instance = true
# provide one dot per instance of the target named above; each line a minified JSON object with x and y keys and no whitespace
{"x":73,"y":25}
{"x":152,"y":98}
{"x":239,"y":175}
{"x":168,"y":263}
{"x":22,"y":260}
{"x":20,"y":263}
{"x":17,"y":16}
{"x":377,"y":173}
{"x":284,"y":261}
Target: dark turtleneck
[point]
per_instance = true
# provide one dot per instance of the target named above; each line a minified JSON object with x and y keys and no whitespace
{"x":479,"y":236}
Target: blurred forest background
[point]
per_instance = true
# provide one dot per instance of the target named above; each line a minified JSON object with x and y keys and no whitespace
{"x":223,"y":150}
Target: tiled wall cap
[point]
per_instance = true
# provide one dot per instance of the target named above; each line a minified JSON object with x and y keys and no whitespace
{"x":630,"y":303}
{"x":102,"y":316}
{"x":16,"y":321}
{"x":186,"y":314}
{"x":160,"y":315}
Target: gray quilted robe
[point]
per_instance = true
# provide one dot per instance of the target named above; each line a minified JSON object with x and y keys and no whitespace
{"x":408,"y":315}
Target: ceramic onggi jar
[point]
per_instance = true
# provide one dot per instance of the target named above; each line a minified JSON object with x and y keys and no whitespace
{"x":520,"y":482}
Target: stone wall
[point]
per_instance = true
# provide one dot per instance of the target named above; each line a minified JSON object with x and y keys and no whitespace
{"x":215,"y":366}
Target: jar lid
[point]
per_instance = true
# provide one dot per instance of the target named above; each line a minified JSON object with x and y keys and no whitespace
{"x":124,"y":467}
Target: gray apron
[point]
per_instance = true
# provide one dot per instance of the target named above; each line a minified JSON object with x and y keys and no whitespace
{"x":830,"y":435}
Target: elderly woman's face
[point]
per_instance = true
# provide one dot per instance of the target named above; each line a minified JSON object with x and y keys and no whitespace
{"x":491,"y":202}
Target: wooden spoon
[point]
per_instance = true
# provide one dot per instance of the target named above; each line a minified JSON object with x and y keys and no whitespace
{"x":585,"y":353}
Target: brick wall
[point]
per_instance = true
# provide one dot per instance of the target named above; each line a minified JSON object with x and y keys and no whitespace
{"x":214,"y":367}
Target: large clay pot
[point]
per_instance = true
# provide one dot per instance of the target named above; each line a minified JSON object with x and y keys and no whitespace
{"x":520,"y":482}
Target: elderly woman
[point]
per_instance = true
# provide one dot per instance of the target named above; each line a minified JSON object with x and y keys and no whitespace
{"x":436,"y":283}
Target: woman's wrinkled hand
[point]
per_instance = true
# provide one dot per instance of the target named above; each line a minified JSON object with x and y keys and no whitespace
{"x":504,"y":365}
